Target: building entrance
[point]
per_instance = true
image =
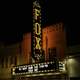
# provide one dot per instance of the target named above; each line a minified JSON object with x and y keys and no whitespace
{"x":50,"y":77}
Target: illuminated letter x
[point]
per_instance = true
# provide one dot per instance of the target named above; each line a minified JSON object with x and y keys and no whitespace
{"x":38,"y":44}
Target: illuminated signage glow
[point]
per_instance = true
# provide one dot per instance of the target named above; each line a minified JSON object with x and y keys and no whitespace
{"x":37,"y":43}
{"x":34,"y":68}
{"x":46,"y":67}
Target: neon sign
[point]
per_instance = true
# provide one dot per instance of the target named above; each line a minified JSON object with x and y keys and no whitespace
{"x":37,"y":43}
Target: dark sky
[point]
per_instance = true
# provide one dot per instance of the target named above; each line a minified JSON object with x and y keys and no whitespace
{"x":16,"y":19}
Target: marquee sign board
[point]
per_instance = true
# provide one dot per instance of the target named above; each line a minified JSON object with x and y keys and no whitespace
{"x":39,"y":68}
{"x":34,"y":68}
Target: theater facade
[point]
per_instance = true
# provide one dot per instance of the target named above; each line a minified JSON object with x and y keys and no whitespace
{"x":52,"y":63}
{"x":42,"y":51}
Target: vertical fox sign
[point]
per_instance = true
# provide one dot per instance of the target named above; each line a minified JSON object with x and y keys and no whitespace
{"x":37,"y":37}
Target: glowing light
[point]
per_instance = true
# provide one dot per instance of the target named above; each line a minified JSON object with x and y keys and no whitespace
{"x":71,"y":60}
{"x":37,"y":45}
{"x":37,"y":68}
{"x":37,"y":13}
{"x":46,"y":65}
{"x":37,"y":28}
{"x":19,"y":68}
{"x":62,"y":66}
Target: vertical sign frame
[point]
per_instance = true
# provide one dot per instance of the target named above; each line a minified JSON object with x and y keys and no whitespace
{"x":36,"y":33}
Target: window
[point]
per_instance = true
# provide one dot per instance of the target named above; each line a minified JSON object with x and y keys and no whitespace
{"x":11,"y":60}
{"x":20,"y":48}
{"x":52,"y":53}
{"x":6,"y":62}
{"x":15,"y":62}
{"x":2,"y":62}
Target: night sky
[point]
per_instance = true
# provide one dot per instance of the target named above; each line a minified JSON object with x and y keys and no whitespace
{"x":16,"y":19}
